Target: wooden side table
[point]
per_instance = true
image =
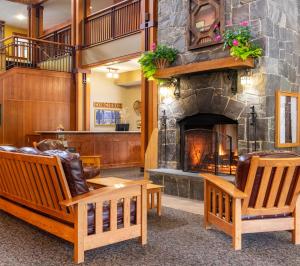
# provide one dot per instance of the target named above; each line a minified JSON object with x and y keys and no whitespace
{"x":153,"y":191}
{"x":154,"y":197}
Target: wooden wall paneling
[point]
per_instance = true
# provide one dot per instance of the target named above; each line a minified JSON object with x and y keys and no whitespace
{"x":116,"y":149}
{"x":35,"y":100}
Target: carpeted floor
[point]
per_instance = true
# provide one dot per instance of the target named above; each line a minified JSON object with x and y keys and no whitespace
{"x":175,"y":239}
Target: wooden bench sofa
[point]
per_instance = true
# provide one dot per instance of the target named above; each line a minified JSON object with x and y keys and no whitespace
{"x":265,"y":197}
{"x":34,"y":188}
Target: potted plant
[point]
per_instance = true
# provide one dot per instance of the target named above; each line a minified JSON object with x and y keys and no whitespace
{"x":238,"y":39}
{"x":159,"y":57}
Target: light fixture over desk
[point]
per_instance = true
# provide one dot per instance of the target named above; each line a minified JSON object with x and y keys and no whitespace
{"x":112,"y":73}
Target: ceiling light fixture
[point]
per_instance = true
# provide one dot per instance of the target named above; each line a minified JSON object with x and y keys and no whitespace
{"x":20,"y":17}
{"x":112,"y":73}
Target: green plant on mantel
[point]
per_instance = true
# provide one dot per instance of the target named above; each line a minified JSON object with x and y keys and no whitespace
{"x":238,"y":39}
{"x":160,"y":56}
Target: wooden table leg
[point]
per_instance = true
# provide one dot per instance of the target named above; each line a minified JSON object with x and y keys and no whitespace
{"x":159,"y":202}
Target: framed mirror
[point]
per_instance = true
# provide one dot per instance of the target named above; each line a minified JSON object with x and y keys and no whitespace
{"x":287,"y":119}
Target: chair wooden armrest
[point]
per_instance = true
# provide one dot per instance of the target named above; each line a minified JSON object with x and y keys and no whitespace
{"x":99,"y":193}
{"x":224,"y":185}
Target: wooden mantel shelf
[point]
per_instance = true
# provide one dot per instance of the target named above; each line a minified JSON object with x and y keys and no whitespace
{"x":204,"y":66}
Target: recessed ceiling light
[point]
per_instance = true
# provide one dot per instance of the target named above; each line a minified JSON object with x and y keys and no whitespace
{"x":20,"y":17}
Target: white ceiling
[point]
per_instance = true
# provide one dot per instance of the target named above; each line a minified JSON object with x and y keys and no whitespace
{"x":55,"y":12}
{"x":9,"y":11}
{"x":122,"y":67}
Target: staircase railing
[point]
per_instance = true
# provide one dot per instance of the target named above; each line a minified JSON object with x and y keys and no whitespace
{"x":18,"y":51}
{"x":112,"y":23}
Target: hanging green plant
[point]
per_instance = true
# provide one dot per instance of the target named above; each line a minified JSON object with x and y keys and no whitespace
{"x":159,"y":57}
{"x":238,"y":39}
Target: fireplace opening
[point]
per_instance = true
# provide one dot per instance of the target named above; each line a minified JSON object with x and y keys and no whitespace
{"x":208,"y":144}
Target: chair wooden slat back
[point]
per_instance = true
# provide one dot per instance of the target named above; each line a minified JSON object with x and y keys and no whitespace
{"x":278,"y":188}
{"x":37,"y":182}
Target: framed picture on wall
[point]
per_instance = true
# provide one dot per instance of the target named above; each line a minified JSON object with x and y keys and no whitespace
{"x":107,"y":117}
{"x":107,"y":114}
{"x":287,"y":119}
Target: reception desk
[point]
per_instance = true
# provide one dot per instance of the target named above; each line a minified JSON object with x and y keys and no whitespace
{"x":117,"y":149}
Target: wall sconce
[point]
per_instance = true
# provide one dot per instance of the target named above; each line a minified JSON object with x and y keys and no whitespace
{"x":233,"y":77}
{"x":169,"y":90}
{"x":176,"y":85}
{"x":246,"y":79}
{"x":165,"y":93}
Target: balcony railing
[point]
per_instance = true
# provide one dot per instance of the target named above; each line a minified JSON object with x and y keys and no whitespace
{"x":62,"y":35}
{"x":17,"y":51}
{"x":112,"y":23}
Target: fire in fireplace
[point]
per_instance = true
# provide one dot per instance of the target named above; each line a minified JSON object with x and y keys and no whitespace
{"x":209,"y":144}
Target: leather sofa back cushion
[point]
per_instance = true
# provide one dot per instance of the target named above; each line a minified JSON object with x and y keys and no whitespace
{"x":50,"y":144}
{"x":73,"y":171}
{"x":243,"y":170}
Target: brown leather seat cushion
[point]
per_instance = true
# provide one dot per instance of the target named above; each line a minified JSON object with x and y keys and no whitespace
{"x":50,"y":144}
{"x":106,"y":216}
{"x":243,"y":170}
{"x":90,"y":172}
{"x":53,"y":144}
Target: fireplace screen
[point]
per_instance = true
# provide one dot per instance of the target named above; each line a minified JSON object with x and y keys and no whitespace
{"x":209,"y":151}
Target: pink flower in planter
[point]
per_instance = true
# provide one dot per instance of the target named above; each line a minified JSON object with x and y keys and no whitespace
{"x":218,"y":38}
{"x":235,"y":42}
{"x":153,"y":46}
{"x":244,"y":23}
{"x":216,"y":26}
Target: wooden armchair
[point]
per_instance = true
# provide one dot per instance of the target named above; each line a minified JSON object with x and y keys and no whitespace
{"x":268,"y":202}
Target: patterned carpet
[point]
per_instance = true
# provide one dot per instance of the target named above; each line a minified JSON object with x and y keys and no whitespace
{"x":175,"y":239}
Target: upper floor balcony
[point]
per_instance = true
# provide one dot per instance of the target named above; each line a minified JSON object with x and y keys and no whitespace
{"x":19,"y":51}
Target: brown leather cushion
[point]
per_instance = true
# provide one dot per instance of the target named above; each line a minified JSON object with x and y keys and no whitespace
{"x":50,"y":144}
{"x":90,"y":172}
{"x":106,"y":216}
{"x":73,"y":171}
{"x":244,"y":166}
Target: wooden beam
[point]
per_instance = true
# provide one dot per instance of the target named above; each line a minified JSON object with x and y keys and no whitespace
{"x":149,"y":89}
{"x":35,"y":20}
{"x":204,"y":66}
{"x":29,"y":2}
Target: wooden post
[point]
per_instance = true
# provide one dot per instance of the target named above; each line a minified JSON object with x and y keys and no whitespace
{"x":237,"y":224}
{"x":144,"y":215}
{"x":80,"y":215}
{"x":78,"y":14}
{"x":87,"y":102}
{"x":149,"y":90}
{"x":296,"y":215}
{"x":35,"y":20}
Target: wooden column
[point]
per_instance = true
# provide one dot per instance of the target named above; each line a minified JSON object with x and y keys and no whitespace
{"x":35,"y":20}
{"x":78,"y":13}
{"x":149,"y":9}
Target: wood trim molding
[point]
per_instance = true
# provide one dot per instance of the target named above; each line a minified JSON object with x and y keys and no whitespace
{"x":120,"y":59}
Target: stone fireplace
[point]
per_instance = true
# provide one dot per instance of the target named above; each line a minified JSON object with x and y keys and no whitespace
{"x":203,"y":96}
{"x":208,"y":143}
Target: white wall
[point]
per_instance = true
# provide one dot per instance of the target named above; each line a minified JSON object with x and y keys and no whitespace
{"x":105,"y":90}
